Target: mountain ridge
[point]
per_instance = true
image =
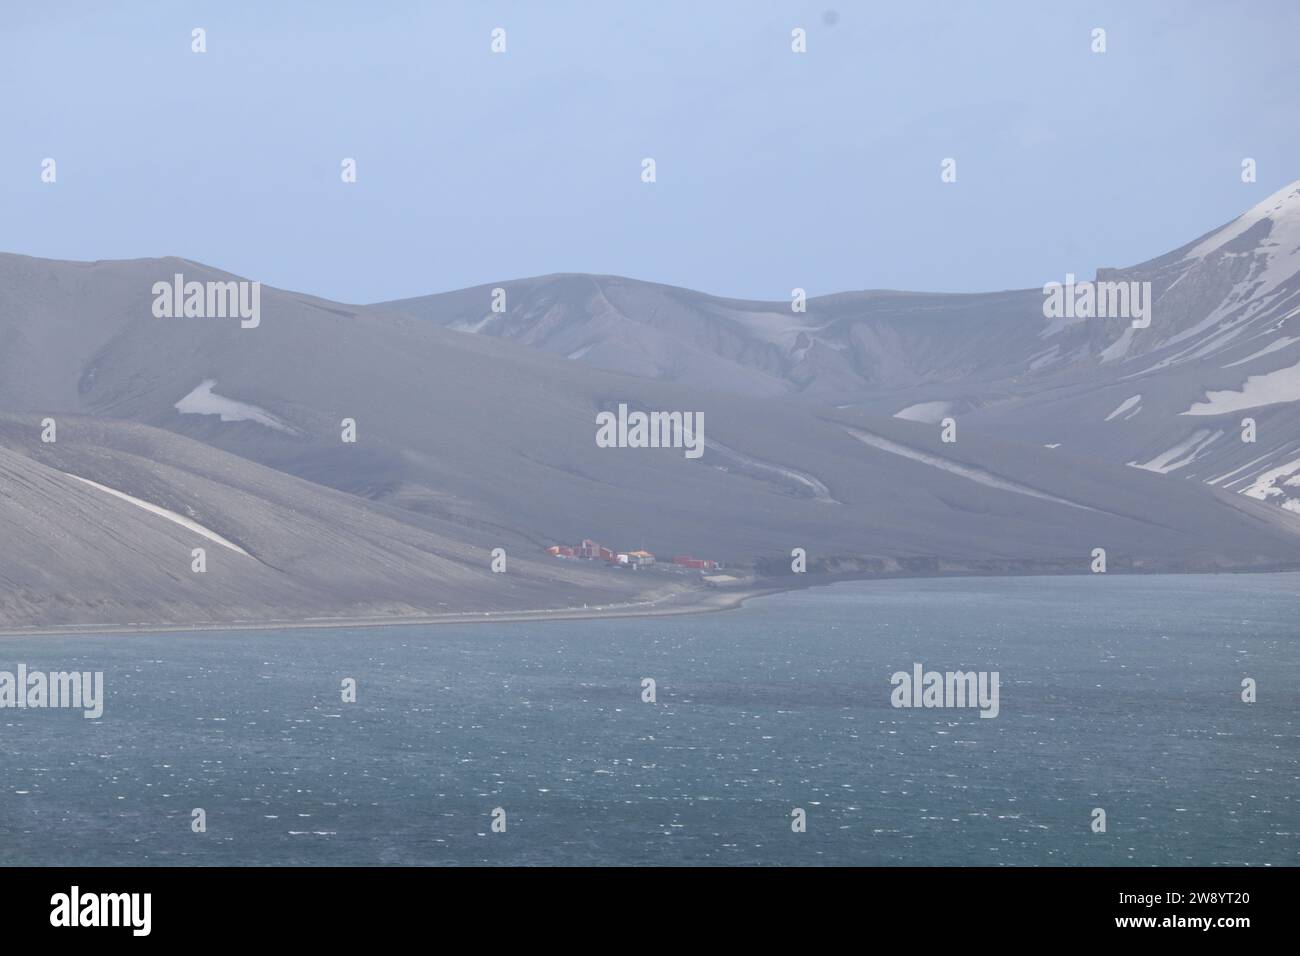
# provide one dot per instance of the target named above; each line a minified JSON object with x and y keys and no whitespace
{"x":475,"y":431}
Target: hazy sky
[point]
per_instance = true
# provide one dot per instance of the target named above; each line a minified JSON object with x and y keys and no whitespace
{"x":775,"y":170}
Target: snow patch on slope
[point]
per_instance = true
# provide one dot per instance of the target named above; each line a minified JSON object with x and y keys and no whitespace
{"x":1237,"y":471}
{"x":475,"y":328}
{"x":1265,"y":486}
{"x":930,"y":413}
{"x":1283,"y":208}
{"x":203,"y":401}
{"x":767,"y":471}
{"x":1271,"y":388}
{"x":172,"y":516}
{"x":969,"y":472}
{"x":1124,"y":406}
{"x":1182,"y":454}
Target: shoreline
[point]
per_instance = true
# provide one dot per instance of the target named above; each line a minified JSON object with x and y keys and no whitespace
{"x":715,"y":600}
{"x":702,"y":600}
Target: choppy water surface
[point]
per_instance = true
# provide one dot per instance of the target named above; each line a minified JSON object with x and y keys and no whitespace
{"x":1118,"y":692}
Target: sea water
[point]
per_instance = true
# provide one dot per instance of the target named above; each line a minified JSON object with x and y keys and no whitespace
{"x":1116,"y":693}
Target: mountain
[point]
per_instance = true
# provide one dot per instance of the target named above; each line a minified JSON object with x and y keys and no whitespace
{"x":842,"y":347}
{"x":820,"y":432}
{"x":1223,"y":344}
{"x":78,"y":551}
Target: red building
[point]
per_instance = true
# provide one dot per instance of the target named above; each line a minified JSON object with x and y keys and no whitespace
{"x":698,"y":564}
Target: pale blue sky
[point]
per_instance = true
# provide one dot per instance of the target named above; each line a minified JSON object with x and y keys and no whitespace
{"x":775,"y":170}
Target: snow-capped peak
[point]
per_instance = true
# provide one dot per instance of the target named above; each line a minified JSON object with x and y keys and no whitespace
{"x":1283,"y":208}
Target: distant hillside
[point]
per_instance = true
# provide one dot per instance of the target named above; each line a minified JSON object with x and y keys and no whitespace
{"x":476,"y":430}
{"x":1224,"y":341}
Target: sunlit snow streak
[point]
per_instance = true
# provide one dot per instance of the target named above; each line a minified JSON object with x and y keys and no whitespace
{"x":968,"y":472}
{"x":172,"y":516}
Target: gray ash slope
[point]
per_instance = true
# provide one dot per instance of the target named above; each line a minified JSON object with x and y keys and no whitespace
{"x":75,"y":554}
{"x":468,"y":442}
{"x":1224,"y":343}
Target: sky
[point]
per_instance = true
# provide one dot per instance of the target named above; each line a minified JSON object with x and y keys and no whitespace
{"x":774,"y":169}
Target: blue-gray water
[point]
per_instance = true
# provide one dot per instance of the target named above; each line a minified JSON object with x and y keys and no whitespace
{"x":1116,"y":692}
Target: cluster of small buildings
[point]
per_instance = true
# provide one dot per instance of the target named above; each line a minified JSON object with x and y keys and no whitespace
{"x":592,"y":551}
